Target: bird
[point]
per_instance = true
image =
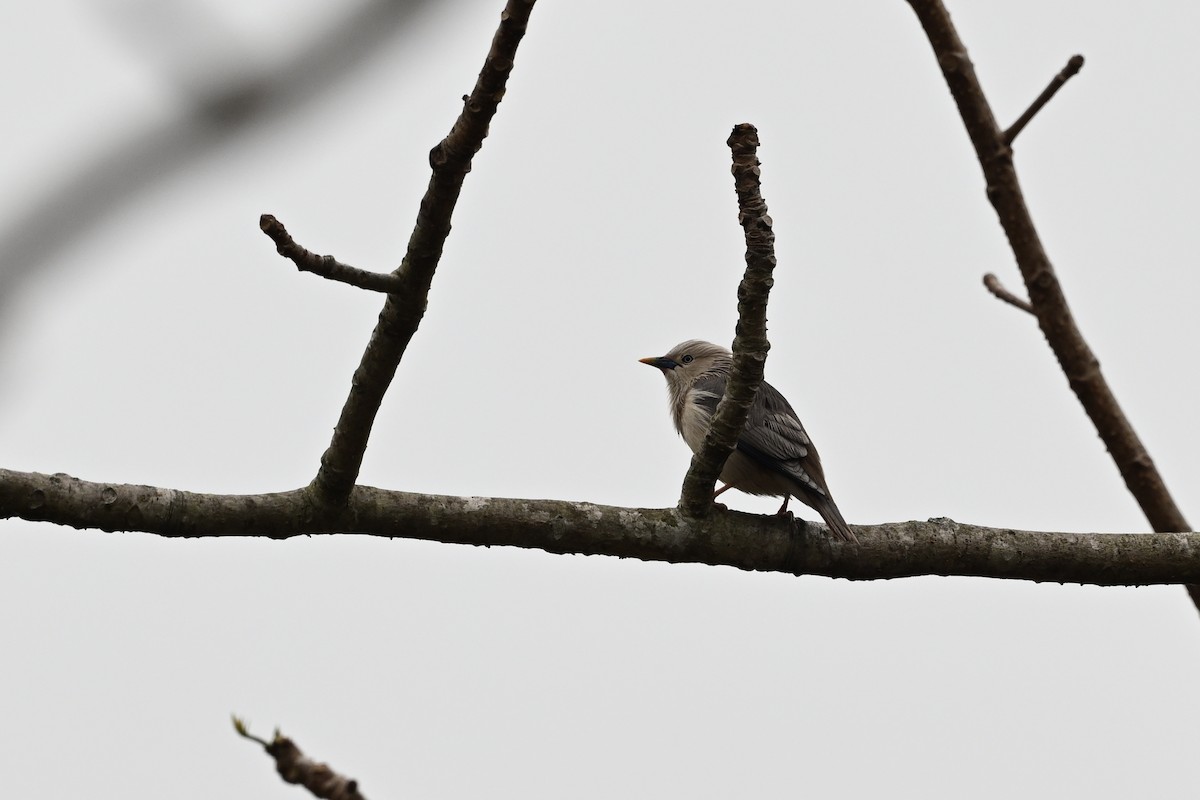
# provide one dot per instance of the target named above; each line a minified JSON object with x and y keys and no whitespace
{"x":774,"y":455}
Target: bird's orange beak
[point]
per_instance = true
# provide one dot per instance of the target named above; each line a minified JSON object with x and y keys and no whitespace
{"x":662,"y":362}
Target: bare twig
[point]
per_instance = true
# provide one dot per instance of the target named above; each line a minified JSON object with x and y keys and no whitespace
{"x":325,"y":266}
{"x":243,"y":730}
{"x":750,"y":343}
{"x":1074,"y":64}
{"x":994,"y":286}
{"x":402,"y":311}
{"x":1046,"y":295}
{"x":745,"y":541}
{"x":295,"y":767}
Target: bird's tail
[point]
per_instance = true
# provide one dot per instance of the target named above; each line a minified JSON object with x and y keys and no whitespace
{"x":833,"y":518}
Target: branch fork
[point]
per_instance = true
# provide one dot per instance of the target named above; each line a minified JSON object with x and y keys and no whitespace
{"x":1047,"y":299}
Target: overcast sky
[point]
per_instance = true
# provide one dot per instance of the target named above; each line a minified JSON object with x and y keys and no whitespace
{"x":168,"y":344}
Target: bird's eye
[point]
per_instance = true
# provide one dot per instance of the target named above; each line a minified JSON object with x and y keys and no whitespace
{"x":686,"y":360}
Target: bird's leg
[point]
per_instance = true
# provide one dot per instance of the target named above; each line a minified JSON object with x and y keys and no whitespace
{"x":717,"y":494}
{"x":783,"y":508}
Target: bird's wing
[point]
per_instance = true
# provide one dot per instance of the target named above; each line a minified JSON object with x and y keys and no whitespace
{"x":775,"y":438}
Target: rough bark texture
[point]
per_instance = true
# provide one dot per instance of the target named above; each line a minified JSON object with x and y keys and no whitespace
{"x":750,"y":343}
{"x":745,"y":541}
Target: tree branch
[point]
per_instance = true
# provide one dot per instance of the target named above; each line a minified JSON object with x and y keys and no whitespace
{"x":402,"y":311}
{"x":746,"y":541}
{"x":750,"y":343}
{"x":325,"y":266}
{"x":1046,"y":296}
{"x":994,"y":286}
{"x":1074,"y":64}
{"x":295,"y":767}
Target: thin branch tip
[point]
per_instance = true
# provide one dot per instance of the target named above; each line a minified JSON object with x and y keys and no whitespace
{"x":326,"y":267}
{"x":994,"y":286}
{"x":1074,"y":64}
{"x":243,"y":730}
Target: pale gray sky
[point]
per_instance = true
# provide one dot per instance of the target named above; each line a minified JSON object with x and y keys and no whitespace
{"x":171,"y":346}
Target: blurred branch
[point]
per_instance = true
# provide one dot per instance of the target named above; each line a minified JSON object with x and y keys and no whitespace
{"x":746,"y":541}
{"x":187,"y":45}
{"x":325,"y":266}
{"x":403,"y":310}
{"x":295,"y":767}
{"x":222,"y":112}
{"x":1046,"y":296}
{"x":750,"y":343}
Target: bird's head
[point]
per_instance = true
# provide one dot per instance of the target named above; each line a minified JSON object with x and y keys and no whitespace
{"x":689,"y":360}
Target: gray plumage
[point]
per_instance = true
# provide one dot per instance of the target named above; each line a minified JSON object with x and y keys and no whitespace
{"x":774,"y":455}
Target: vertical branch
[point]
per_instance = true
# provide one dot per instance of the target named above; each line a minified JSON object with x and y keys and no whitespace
{"x":750,"y":343}
{"x":1046,"y":296}
{"x":404,"y":308}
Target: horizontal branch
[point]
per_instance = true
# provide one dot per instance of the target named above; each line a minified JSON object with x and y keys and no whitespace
{"x":325,"y":266}
{"x":746,"y":541}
